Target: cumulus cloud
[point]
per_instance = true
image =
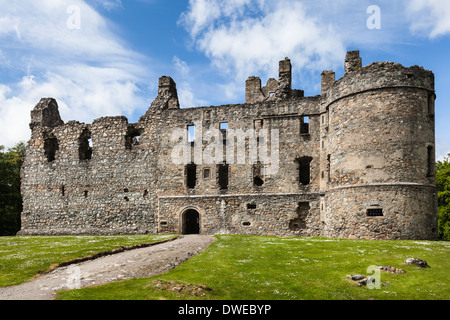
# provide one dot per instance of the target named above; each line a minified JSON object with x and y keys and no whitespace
{"x":430,"y":17}
{"x":66,"y":51}
{"x":249,"y":37}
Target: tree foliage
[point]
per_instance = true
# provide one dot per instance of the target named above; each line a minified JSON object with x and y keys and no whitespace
{"x":10,"y":197}
{"x":443,"y":185}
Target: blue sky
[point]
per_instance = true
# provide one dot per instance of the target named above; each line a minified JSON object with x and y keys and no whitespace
{"x":104,"y":57}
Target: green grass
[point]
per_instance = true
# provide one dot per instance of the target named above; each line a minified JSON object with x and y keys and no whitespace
{"x":22,"y":257}
{"x":269,"y":268}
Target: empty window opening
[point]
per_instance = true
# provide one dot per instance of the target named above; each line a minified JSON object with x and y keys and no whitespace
{"x":222,"y":171}
{"x":408,"y":76}
{"x":85,"y":146}
{"x":430,"y":160}
{"x":223,"y":130}
{"x":374,"y":212}
{"x":146,"y":194}
{"x":304,"y":170}
{"x":191,"y":176}
{"x":163,"y":223}
{"x":304,"y":125}
{"x":63,"y":191}
{"x":86,"y":193}
{"x":223,"y":126}
{"x":258,"y":124}
{"x":431,"y":105}
{"x":191,"y":133}
{"x":206,"y":173}
{"x":126,"y":199}
{"x":126,"y":190}
{"x":246,"y":224}
{"x":302,"y":214}
{"x":251,"y":205}
{"x":132,"y":138}
{"x":329,"y":167}
{"x":258,"y":180}
{"x":51,"y":145}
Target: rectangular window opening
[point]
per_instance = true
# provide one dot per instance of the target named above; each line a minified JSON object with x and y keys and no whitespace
{"x":133,"y":137}
{"x":374,"y":212}
{"x":51,"y":145}
{"x":191,"y":133}
{"x":222,"y":171}
{"x":251,"y":206}
{"x":304,"y":125}
{"x":430,"y":160}
{"x":85,"y":145}
{"x":304,"y":170}
{"x":206,"y":173}
{"x":431,"y":105}
{"x":258,"y":180}
{"x":191,"y":176}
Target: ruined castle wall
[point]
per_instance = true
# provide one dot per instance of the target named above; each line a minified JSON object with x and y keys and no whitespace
{"x":105,"y":194}
{"x":174,"y":195}
{"x":381,"y":145}
{"x":355,"y":162}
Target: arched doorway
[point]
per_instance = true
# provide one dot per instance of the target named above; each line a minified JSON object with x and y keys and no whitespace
{"x":191,"y":222}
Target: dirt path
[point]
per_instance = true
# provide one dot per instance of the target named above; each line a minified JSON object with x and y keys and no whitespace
{"x":144,"y":262}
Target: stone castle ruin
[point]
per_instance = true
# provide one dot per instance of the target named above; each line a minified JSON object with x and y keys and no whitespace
{"x":356,"y":161}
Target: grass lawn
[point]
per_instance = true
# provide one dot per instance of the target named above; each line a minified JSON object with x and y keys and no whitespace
{"x":269,"y":268}
{"x":23,"y":257}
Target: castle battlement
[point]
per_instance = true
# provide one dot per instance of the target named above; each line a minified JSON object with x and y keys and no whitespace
{"x":356,"y":161}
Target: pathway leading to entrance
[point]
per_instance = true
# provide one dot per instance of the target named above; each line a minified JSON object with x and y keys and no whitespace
{"x":144,"y":262}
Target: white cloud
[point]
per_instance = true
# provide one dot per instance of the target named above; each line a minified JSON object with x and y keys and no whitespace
{"x":430,"y":17}
{"x":88,"y":70}
{"x":249,"y":37}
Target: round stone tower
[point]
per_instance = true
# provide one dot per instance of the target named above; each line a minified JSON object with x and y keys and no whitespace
{"x":381,"y":152}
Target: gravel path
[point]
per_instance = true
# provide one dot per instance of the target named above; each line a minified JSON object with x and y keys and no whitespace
{"x":144,"y":262}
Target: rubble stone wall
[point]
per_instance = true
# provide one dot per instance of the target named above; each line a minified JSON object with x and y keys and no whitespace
{"x":356,"y":161}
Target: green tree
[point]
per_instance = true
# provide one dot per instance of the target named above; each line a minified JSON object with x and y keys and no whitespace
{"x":443,"y":185}
{"x":10,"y":197}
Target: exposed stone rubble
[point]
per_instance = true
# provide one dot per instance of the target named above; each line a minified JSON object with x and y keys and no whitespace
{"x":421,"y":263}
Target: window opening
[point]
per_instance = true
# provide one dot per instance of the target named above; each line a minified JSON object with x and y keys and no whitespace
{"x":206,"y":173}
{"x":85,"y":146}
{"x":191,"y":176}
{"x":191,"y":133}
{"x":223,"y":176}
{"x":133,"y":137}
{"x":304,"y":170}
{"x":258,"y":180}
{"x":430,"y":160}
{"x":302,"y":213}
{"x":51,"y":145}
{"x":375,"y":212}
{"x":304,"y":125}
{"x":431,"y":105}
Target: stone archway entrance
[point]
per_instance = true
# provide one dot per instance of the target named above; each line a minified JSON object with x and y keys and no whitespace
{"x":191,"y":222}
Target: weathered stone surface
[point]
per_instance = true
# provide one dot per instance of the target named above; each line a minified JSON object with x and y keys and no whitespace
{"x":355,"y":162}
{"x":421,"y":263}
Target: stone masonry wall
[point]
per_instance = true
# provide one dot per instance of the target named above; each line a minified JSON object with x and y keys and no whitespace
{"x":356,"y":161}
